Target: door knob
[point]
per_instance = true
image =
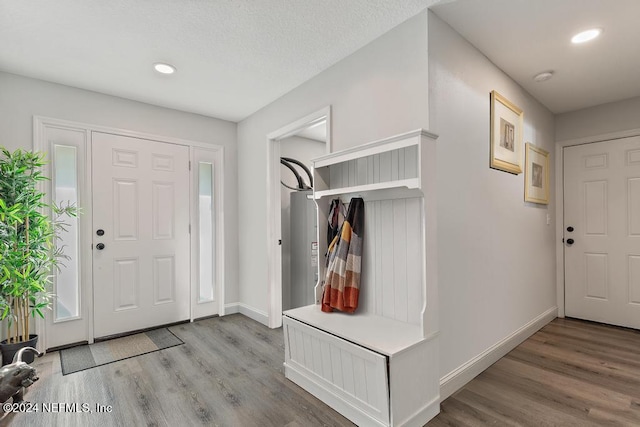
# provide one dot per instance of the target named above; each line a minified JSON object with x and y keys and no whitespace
{"x":100,"y":246}
{"x":569,"y":229}
{"x":570,"y":241}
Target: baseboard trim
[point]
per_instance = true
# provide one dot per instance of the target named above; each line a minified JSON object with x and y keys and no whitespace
{"x":250,"y":312}
{"x":231,"y":309}
{"x":422,"y":417}
{"x":457,"y":378}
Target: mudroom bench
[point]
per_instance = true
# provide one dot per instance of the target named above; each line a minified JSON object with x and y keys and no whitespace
{"x":378,"y":366}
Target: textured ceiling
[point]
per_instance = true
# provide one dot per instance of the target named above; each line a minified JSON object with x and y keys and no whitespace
{"x":233,"y":56}
{"x":525,"y":37}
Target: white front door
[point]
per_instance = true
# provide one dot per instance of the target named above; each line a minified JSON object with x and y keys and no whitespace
{"x":140,"y":233}
{"x":602,"y":231}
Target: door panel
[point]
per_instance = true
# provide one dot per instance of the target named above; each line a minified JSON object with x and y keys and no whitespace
{"x":141,"y":201}
{"x":602,"y":204}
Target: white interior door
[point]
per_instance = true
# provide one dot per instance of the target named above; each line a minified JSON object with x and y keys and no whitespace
{"x":141,"y":202}
{"x":602,"y":207}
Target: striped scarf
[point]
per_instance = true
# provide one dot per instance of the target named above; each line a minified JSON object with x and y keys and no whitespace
{"x":342,"y":282}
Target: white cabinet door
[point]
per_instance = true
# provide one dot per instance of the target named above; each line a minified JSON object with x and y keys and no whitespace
{"x":602,"y":205}
{"x":351,"y":379}
{"x":141,"y":203}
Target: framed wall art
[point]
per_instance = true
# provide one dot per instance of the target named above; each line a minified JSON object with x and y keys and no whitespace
{"x":536,"y":175}
{"x":506,"y":134}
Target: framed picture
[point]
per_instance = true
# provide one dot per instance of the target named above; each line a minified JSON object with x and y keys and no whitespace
{"x":536,"y":175}
{"x":506,"y":134}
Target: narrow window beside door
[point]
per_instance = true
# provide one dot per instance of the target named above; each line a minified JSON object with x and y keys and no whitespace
{"x":66,"y":279}
{"x":206,"y":238}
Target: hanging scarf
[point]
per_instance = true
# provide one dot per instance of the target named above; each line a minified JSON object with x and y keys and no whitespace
{"x":342,"y":282}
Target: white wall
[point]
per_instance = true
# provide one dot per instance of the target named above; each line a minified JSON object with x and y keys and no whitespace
{"x":21,"y":98}
{"x":379,"y":91}
{"x":496,"y":255}
{"x":600,"y":120}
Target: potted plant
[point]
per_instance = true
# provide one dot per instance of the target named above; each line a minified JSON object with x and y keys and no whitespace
{"x":27,"y":249}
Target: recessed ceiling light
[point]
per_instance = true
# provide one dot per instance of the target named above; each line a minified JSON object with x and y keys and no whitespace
{"x":163,"y":68}
{"x":544,"y":76}
{"x":586,"y":36}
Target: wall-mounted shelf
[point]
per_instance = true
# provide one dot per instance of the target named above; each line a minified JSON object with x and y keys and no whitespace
{"x":412,"y":183}
{"x":389,"y":163}
{"x":378,"y":366}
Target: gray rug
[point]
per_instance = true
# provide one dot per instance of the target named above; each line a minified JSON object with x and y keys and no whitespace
{"x":91,"y":355}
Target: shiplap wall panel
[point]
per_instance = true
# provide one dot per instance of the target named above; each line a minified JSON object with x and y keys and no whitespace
{"x":353,"y":165}
{"x":400,"y":259}
{"x":376,"y":271}
{"x":392,"y":260}
{"x":344,"y":182}
{"x":401,"y":164}
{"x":374,"y":161}
{"x":367,"y":300}
{"x":361,"y":171}
{"x":386,"y":248}
{"x":395,"y":169}
{"x":411,"y":162}
{"x":391,"y":165}
{"x":415,"y":299}
{"x":385,"y":167}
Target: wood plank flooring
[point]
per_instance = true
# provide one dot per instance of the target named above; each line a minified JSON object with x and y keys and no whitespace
{"x":570,"y":373}
{"x":229,"y":373}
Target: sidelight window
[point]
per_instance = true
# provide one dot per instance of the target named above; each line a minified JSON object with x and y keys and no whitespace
{"x":66,"y":278}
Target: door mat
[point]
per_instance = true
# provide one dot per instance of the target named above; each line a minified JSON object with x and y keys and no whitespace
{"x":89,"y":356}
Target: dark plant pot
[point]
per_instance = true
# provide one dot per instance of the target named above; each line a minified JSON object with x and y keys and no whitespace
{"x":9,"y":350}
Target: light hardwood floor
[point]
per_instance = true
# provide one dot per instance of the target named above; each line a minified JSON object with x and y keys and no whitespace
{"x":229,"y":373}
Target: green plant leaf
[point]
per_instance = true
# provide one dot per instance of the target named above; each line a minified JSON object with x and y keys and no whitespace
{"x":28,"y":232}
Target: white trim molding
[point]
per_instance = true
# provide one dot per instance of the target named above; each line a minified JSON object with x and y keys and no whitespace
{"x":274,"y":227}
{"x":457,"y":378}
{"x":231,"y":308}
{"x":246,"y":310}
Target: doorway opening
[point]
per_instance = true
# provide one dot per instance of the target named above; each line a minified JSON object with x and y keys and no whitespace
{"x":299,"y":216}
{"x":292,"y":227}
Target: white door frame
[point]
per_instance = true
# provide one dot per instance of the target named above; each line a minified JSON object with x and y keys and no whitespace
{"x":40,"y":123}
{"x":559,"y":171}
{"x":274,"y":226}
